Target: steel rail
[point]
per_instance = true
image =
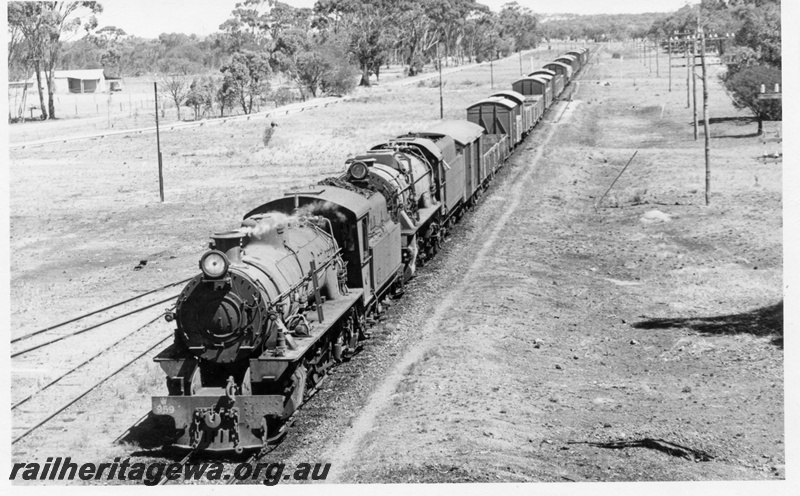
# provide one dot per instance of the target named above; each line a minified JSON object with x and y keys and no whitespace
{"x":75,"y":400}
{"x":17,"y":404}
{"x":75,"y":319}
{"x":95,"y":326}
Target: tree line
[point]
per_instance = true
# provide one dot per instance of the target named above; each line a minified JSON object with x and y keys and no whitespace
{"x":322,"y":50}
{"x":337,"y":44}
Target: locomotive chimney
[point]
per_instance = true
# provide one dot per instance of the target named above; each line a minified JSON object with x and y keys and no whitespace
{"x":230,"y":243}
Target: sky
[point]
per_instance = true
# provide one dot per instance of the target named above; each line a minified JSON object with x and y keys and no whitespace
{"x":149,"y":18}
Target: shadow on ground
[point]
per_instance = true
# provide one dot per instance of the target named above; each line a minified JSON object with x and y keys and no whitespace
{"x":150,"y":432}
{"x":741,"y":120}
{"x":765,"y":321}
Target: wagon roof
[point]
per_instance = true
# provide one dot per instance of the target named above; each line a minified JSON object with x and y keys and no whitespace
{"x":562,"y":64}
{"x":540,"y":80}
{"x":463,"y":132}
{"x":543,"y":72}
{"x":496,"y":100}
{"x":511,"y":95}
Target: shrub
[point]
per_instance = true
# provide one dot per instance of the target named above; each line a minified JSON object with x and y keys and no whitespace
{"x":283,"y":96}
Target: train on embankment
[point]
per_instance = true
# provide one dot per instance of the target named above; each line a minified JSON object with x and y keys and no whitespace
{"x":294,"y":289}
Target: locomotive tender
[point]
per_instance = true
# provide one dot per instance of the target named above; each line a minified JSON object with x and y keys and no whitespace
{"x":292,"y":291}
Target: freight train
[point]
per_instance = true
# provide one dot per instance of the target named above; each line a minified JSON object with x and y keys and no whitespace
{"x":294,"y":289}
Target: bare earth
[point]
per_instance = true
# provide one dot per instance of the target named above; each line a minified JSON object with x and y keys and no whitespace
{"x":547,"y":324}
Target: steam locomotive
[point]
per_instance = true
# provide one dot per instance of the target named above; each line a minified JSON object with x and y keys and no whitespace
{"x":291,"y":291}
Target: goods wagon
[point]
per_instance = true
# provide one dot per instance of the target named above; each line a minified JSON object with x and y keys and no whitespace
{"x":561,"y":69}
{"x":497,"y":115}
{"x":467,"y":137}
{"x":526,"y":109}
{"x":570,"y":60}
{"x":535,"y":85}
{"x":580,"y":54}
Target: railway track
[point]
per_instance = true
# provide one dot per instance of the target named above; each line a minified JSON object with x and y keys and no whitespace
{"x":55,"y":367}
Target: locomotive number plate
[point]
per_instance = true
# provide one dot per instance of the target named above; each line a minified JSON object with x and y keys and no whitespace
{"x":164,"y":409}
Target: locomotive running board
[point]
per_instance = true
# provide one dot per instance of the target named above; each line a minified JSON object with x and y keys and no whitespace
{"x":334,"y":310}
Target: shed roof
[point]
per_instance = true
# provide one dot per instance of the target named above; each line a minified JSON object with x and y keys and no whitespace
{"x":463,"y":132}
{"x":80,"y":74}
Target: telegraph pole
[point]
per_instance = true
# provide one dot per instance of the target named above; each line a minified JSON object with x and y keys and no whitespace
{"x":491,"y":68}
{"x":694,"y":86}
{"x":670,"y":64}
{"x":658,"y":49}
{"x":441,"y":98}
{"x":706,"y":133}
{"x":158,"y":145}
{"x":688,"y":73}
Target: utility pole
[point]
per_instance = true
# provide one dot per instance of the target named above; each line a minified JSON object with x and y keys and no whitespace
{"x":520,"y":61}
{"x":658,"y":49}
{"x":670,"y":64}
{"x":491,"y":68}
{"x":158,"y":145}
{"x":688,"y":73}
{"x":706,"y":133}
{"x":694,"y":86}
{"x":441,"y":98}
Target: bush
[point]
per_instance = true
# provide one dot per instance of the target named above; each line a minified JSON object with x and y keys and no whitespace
{"x":340,"y":78}
{"x":283,"y":96}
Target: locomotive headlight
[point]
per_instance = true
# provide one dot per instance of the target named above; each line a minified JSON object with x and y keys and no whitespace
{"x":214,"y":264}
{"x":358,"y":170}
